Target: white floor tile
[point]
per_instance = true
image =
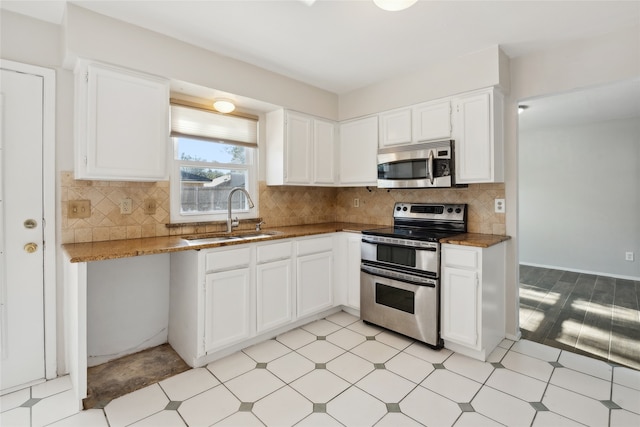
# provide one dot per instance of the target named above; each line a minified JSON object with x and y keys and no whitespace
{"x":189,"y":383}
{"x":503,"y":408}
{"x":374,"y":351}
{"x":17,"y":417}
{"x":51,"y":387}
{"x":578,"y":382}
{"x":575,"y":406}
{"x":350,"y":367}
{"x":240,"y":419}
{"x":54,"y":408}
{"x":161,"y":419}
{"x":468,"y":367}
{"x":346,"y":338}
{"x":290,"y":367}
{"x":88,"y":418}
{"x":622,"y":418}
{"x":451,"y":385}
{"x":395,"y":419}
{"x":428,"y":354}
{"x":626,"y":377}
{"x":209,"y":407}
{"x":296,"y":338}
{"x":527,"y":365}
{"x":231,"y":366}
{"x":320,"y":386}
{"x":474,"y":419}
{"x":551,"y":419}
{"x":254,"y":385}
{"x":506,"y":343}
{"x":386,"y":386}
{"x":354,"y":407}
{"x":430,"y":408}
{"x":319,"y":419}
{"x":537,"y":350}
{"x":586,"y":365}
{"x":496,"y":355}
{"x":320,"y":351}
{"x":627,"y":398}
{"x":321,"y":328}
{"x":15,"y":399}
{"x":394,"y":340}
{"x":266,"y":351}
{"x":282,"y":408}
{"x":364,"y":329}
{"x":136,"y":406}
{"x":409,"y":367}
{"x":518,"y":385}
{"x":343,"y":318}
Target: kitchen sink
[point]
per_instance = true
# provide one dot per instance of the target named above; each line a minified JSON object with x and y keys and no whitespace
{"x":200,"y":239}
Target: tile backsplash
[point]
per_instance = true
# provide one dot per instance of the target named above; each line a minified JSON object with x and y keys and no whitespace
{"x":279,"y":206}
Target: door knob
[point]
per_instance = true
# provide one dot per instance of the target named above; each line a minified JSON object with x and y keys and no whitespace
{"x":31,"y":247}
{"x":30,"y":223}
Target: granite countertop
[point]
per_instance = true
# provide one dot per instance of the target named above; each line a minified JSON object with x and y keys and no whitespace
{"x":99,"y":251}
{"x":475,"y":239}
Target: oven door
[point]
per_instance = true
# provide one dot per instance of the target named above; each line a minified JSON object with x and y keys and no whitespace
{"x":401,"y":305}
{"x":425,"y":259}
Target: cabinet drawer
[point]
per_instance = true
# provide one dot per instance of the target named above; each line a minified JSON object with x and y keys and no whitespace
{"x":274,"y":252}
{"x":312,"y":246}
{"x":464,"y":258}
{"x":228,"y":258}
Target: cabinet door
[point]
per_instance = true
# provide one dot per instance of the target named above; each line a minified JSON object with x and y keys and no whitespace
{"x":299,"y":149}
{"x":359,"y":151}
{"x":474,"y":139}
{"x":274,"y":293}
{"x":460,"y":306}
{"x":432,"y":121}
{"x":353,"y":271}
{"x":123,"y":124}
{"x":314,"y":277}
{"x":395,"y":127}
{"x":324,"y":141}
{"x":227,"y":310}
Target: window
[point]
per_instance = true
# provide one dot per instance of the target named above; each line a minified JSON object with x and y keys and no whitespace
{"x":212,"y":155}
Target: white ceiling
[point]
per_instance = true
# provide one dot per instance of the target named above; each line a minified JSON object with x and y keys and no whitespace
{"x":341,"y":45}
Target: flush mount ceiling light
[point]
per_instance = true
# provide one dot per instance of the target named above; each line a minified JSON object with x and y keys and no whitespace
{"x":394,"y":5}
{"x":224,"y":105}
{"x":521,"y":108}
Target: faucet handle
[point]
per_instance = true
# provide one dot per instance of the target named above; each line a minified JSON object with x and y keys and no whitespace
{"x":235,"y":222}
{"x":258,"y":224}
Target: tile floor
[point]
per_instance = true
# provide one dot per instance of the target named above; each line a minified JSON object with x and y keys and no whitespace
{"x":341,"y":372}
{"x":592,"y":315}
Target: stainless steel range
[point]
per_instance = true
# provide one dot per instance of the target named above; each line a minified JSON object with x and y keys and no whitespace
{"x":400,"y":269}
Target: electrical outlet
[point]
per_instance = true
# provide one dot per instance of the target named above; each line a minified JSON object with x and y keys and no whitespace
{"x":628,"y":256}
{"x":500,"y":208}
{"x":126,"y":206}
{"x":356,"y":203}
{"x":150,"y":206}
{"x":78,"y":208}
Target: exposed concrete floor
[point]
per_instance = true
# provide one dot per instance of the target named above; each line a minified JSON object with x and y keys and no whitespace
{"x":129,"y":373}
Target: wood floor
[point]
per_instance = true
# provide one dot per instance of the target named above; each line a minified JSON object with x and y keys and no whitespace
{"x":593,"y":315}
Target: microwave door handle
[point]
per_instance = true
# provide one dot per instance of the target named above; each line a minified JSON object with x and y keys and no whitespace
{"x":430,"y":165}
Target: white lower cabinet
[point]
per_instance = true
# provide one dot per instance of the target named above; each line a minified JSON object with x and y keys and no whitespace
{"x":314,"y":275}
{"x":472,"y":299}
{"x":274,"y":286}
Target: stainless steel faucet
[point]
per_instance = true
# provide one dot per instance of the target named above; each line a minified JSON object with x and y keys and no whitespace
{"x":234,"y":223}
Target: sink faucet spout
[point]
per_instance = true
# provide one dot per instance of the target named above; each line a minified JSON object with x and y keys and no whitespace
{"x":234,"y":222}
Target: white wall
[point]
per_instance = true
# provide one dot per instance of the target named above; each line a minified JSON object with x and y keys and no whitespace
{"x":579,"y":196}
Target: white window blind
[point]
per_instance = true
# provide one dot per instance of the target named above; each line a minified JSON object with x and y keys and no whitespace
{"x":193,"y":122}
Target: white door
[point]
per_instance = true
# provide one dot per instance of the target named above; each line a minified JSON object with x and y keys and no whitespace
{"x":22,"y":336}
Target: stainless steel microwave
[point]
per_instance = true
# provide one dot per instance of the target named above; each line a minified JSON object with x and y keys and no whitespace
{"x":425,"y":165}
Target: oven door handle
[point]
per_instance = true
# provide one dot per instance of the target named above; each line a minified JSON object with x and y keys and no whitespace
{"x":418,"y":248}
{"x":397,"y":279}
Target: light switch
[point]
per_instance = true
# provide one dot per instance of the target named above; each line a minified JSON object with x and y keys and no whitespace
{"x":78,"y":208}
{"x":150,"y":206}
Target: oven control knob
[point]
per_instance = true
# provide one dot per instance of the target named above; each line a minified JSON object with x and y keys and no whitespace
{"x":458,"y":210}
{"x":450,"y":210}
{"x":398,"y":208}
{"x":404,"y":208}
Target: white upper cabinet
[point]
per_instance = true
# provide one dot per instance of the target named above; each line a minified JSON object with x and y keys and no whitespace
{"x":358,"y":151}
{"x":300,"y":149}
{"x":122,"y":124}
{"x":395,"y":127}
{"x":478,"y":135}
{"x":431,"y":121}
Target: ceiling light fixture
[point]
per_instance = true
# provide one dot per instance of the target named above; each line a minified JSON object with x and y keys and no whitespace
{"x":224,"y":105}
{"x":394,"y":5}
{"x":521,"y":108}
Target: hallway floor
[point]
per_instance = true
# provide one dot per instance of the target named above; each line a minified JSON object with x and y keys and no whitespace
{"x":592,"y":315}
{"x":339,"y":371}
